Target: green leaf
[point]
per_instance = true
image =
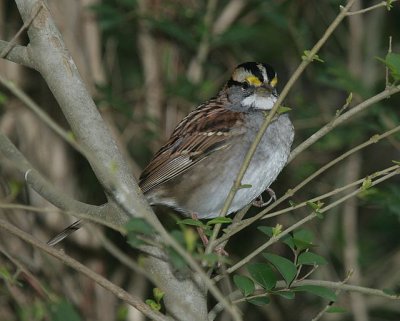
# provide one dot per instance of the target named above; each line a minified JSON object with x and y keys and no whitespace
{"x":392,"y":61}
{"x":336,"y":310}
{"x":133,"y":240}
{"x":176,"y":260}
{"x":191,"y":222}
{"x":211,"y":258}
{"x":3,"y":98}
{"x":288,"y":240}
{"x":317,"y":290}
{"x":244,"y":284}
{"x":283,"y":110}
{"x":389,"y":5}
{"x":263,"y":275}
{"x":219,"y":220}
{"x":5,"y":274}
{"x":309,"y":258}
{"x":64,"y":311}
{"x":367,"y":183}
{"x":302,"y":239}
{"x":277,"y":230}
{"x":309,"y":57}
{"x":285,"y":267}
{"x":245,"y":186}
{"x":390,"y":292}
{"x":315,"y":206}
{"x":153,"y":304}
{"x":139,"y":225}
{"x":259,"y":301}
{"x":190,"y":237}
{"x":158,"y":294}
{"x":267,"y":230}
{"x":287,"y":294}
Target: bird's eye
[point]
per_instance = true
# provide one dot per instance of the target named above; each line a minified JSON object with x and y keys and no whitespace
{"x":245,"y":85}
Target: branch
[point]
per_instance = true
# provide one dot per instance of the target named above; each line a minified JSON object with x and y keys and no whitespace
{"x":341,"y":119}
{"x":17,"y":54}
{"x":233,"y":229}
{"x":97,"y":278}
{"x":238,"y":181}
{"x":386,"y":4}
{"x":345,"y":287}
{"x":20,"y":54}
{"x":48,"y":191}
{"x":52,"y":60}
{"x":195,"y":70}
{"x":306,"y":219}
{"x":62,"y":77}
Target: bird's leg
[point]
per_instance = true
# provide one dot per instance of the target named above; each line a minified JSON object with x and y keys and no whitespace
{"x":219,"y":250}
{"x":259,"y":202}
{"x":200,"y":231}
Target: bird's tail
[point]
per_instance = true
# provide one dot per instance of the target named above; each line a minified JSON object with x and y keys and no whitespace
{"x":65,"y":233}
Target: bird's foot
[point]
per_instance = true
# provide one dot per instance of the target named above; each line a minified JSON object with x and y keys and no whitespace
{"x":259,"y":202}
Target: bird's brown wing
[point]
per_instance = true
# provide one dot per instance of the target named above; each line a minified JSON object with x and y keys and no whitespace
{"x":205,"y":130}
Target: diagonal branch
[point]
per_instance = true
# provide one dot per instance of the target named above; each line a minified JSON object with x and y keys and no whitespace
{"x":250,"y":153}
{"x":311,"y":216}
{"x":44,"y":188}
{"x":100,"y":280}
{"x":18,"y":54}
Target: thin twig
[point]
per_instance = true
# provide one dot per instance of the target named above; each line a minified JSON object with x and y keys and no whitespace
{"x":97,"y":278}
{"x":31,"y":279}
{"x":348,"y":287}
{"x":341,"y":119}
{"x":120,"y":199}
{"x":195,"y":69}
{"x":376,"y":6}
{"x":337,"y":292}
{"x":98,"y":219}
{"x":299,"y":223}
{"x":263,"y":214}
{"x":238,"y":181}
{"x":170,"y":241}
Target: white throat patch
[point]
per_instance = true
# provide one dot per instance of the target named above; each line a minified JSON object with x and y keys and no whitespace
{"x":259,"y":102}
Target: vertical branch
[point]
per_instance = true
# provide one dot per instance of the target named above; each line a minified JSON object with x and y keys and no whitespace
{"x":195,"y":70}
{"x":350,"y":227}
{"x":149,"y":54}
{"x":352,"y":171}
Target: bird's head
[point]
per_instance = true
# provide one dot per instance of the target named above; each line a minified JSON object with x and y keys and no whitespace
{"x":252,"y":86}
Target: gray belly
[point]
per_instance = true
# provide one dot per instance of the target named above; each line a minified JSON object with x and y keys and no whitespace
{"x":203,"y":189}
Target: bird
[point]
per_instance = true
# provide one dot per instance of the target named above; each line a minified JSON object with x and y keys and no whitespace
{"x":195,"y":169}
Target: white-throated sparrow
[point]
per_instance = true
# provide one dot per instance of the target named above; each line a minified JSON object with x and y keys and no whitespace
{"x":194,"y":171}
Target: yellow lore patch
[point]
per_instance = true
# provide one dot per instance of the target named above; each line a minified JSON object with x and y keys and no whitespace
{"x":254,"y":81}
{"x":274,"y":81}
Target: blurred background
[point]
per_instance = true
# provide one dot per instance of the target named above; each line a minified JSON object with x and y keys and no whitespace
{"x":148,"y":63}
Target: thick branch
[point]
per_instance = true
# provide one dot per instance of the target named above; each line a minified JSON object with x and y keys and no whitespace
{"x":45,"y":189}
{"x":60,"y":73}
{"x":52,"y":60}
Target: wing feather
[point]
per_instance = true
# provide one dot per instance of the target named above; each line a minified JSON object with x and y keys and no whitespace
{"x":204,"y":131}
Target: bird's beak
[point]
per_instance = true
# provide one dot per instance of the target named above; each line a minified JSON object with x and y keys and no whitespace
{"x":265,"y":90}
